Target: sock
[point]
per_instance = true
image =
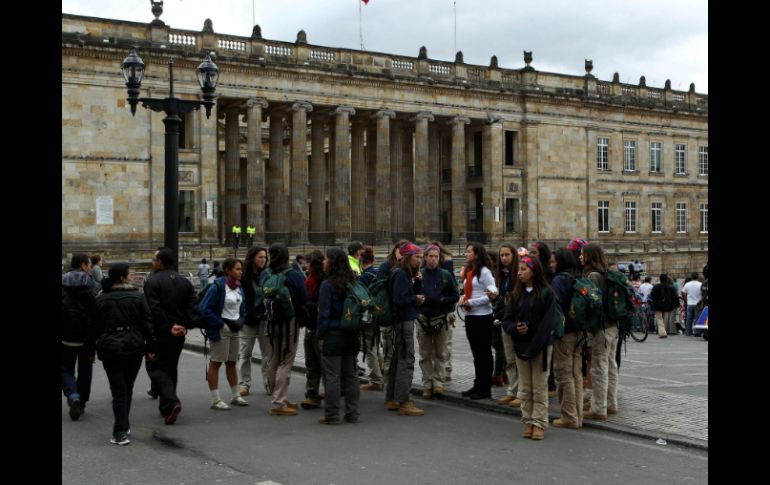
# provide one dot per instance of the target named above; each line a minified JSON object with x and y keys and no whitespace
{"x":215,"y":395}
{"x":234,"y":390}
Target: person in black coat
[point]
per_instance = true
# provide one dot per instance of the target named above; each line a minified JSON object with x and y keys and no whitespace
{"x":124,"y":325}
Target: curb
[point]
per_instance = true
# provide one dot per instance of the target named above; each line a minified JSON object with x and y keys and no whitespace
{"x":491,"y":406}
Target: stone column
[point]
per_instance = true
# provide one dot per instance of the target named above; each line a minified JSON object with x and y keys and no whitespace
{"x":318,"y":175}
{"x":232,"y":172}
{"x":407,"y":182}
{"x":330,"y":175}
{"x":396,"y":174}
{"x":492,"y":170}
{"x":423,"y":174}
{"x":276,"y":197}
{"x":209,"y":179}
{"x":382,"y":204}
{"x":459,"y":192}
{"x":358,"y":178}
{"x":299,"y":182}
{"x":370,"y":225}
{"x":342,"y":173}
{"x":434,"y":179}
{"x":255,"y":171}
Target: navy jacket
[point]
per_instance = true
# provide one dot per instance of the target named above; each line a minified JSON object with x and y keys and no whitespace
{"x":539,"y":315}
{"x":330,"y":306}
{"x":440,"y":297}
{"x":403,"y":296}
{"x":211,"y":308}
{"x":562,"y":285}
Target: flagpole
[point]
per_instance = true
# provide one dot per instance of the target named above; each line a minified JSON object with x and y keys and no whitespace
{"x":253,"y":15}
{"x":360,"y":25}
{"x":455,"y":7}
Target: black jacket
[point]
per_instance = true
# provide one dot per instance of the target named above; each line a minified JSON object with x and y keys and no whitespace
{"x":403,"y":297}
{"x":78,"y":304}
{"x":440,"y":290}
{"x":539,"y":315}
{"x":172,"y":299}
{"x":664,"y":298}
{"x":123,"y":323}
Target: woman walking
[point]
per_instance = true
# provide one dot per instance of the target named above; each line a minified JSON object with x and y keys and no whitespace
{"x":254,"y":325}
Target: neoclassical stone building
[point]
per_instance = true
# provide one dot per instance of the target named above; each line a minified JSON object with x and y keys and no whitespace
{"x":317,"y":144}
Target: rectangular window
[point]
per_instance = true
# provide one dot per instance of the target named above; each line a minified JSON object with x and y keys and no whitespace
{"x":602,"y":151}
{"x":681,"y":217}
{"x":186,"y":211}
{"x":510,"y":145}
{"x":477,"y":149}
{"x":680,"y":157}
{"x":703,"y":160}
{"x":512,"y":216}
{"x":656,"y":217}
{"x":604,"y":215}
{"x":629,"y":155}
{"x":630,"y":216}
{"x":704,"y":218}
{"x":655,"y":156}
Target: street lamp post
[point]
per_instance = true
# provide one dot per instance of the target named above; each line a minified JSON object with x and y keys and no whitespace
{"x":208,"y":74}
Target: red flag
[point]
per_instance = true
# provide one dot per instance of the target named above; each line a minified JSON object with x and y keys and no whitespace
{"x":366,"y":2}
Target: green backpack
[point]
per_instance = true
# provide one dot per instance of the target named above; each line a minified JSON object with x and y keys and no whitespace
{"x":357,"y":308}
{"x":382,"y":314}
{"x":585,"y":308}
{"x":558,"y":319}
{"x":274,"y":295}
{"x":618,"y":301}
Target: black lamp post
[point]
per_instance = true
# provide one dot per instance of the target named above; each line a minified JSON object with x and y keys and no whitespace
{"x":208,"y":73}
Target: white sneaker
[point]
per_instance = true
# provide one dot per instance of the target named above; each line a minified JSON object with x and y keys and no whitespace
{"x":220,"y":405}
{"x":238,"y":401}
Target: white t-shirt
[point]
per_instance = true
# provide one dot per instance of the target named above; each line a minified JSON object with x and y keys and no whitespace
{"x":232,"y":307}
{"x":694,"y":295}
{"x":479,"y":301}
{"x":645,"y":289}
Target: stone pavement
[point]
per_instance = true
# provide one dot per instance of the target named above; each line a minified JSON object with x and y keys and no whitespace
{"x":662,"y":393}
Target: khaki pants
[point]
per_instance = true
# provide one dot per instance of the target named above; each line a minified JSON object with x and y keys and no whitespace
{"x":661,"y":320}
{"x":510,"y":366}
{"x":569,"y":378}
{"x":533,"y":389}
{"x":433,"y":357}
{"x":248,"y":336}
{"x":279,"y":373}
{"x":604,"y":369}
{"x":374,"y":359}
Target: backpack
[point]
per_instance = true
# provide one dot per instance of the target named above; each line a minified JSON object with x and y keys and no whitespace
{"x":618,"y":302}
{"x":665,"y":301}
{"x":357,"y":308}
{"x":202,"y":292}
{"x":585,"y":307}
{"x":274,"y":295}
{"x":558,"y":318}
{"x":383,"y":310}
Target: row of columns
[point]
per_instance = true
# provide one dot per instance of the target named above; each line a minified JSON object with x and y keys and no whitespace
{"x":377,"y":181}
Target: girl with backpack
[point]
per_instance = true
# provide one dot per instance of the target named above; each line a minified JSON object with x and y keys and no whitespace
{"x":254,"y":326}
{"x":339,"y":348}
{"x":506,"y":279}
{"x":313,"y":355}
{"x":567,"y":359}
{"x":604,"y":368}
{"x":529,"y":320}
{"x":223,"y":309}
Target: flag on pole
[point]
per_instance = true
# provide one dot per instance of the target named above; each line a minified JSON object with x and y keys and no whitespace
{"x":366,"y":2}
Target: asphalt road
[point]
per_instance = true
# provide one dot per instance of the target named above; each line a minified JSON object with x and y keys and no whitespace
{"x":450,"y":444}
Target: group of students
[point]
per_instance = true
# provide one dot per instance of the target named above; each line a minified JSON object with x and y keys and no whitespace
{"x":518,"y":289}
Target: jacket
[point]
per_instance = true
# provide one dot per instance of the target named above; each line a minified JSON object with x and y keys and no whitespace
{"x":123,"y":323}
{"x":172,"y":299}
{"x":403,"y":296}
{"x":78,"y":304}
{"x":336,"y":342}
{"x":211,"y":308}
{"x":539,"y":314}
{"x":562,"y":286}
{"x":440,"y":292}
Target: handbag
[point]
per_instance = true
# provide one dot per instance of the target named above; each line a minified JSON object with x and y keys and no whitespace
{"x":432,"y":325}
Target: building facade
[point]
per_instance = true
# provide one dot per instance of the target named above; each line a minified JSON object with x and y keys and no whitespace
{"x":313,"y":144}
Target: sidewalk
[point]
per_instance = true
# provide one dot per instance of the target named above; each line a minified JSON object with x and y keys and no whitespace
{"x":658,"y":396}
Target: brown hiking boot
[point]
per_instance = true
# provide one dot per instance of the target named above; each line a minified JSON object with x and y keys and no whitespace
{"x":538,"y":433}
{"x":310,"y":403}
{"x":407,"y":408}
{"x":371,"y":387}
{"x":327,"y":420}
{"x":505,"y":400}
{"x":438,"y":391}
{"x":244,"y":391}
{"x":560,"y":423}
{"x":516,"y":403}
{"x":612,"y":410}
{"x":427,"y":393}
{"x":598,"y":417}
{"x":291,"y":405}
{"x":283,"y":411}
{"x":527,"y":431}
{"x":391,"y":405}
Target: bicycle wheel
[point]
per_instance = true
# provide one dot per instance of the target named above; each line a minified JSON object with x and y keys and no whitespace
{"x":639,"y":327}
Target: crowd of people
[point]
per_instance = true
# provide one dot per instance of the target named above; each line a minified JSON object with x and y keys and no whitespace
{"x":509,"y":300}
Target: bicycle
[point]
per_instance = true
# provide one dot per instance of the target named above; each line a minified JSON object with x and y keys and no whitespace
{"x":640,"y":327}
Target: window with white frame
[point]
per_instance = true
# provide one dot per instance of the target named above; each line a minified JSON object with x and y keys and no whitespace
{"x":604,"y":215}
{"x":656,"y":217}
{"x":704,"y":218}
{"x":680,"y":157}
{"x":630,"y":216}
{"x":681,"y":217}
{"x":703,"y":160}
{"x":629,"y":155}
{"x":602,"y":152}
{"x":655,"y":156}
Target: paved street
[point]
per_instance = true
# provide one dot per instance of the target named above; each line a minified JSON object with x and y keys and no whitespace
{"x":450,"y":444}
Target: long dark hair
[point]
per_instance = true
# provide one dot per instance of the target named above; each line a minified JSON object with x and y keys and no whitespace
{"x":407,"y":267}
{"x":538,"y":280}
{"x":252,"y":272}
{"x":279,"y":257}
{"x":315,"y":264}
{"x":593,"y":258}
{"x":565,"y":261}
{"x":499,"y":275}
{"x":481,"y":260}
{"x":340,"y":273}
{"x":392,"y":261}
{"x":544,"y":255}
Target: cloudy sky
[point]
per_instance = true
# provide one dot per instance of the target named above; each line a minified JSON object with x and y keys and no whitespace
{"x":660,"y":39}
